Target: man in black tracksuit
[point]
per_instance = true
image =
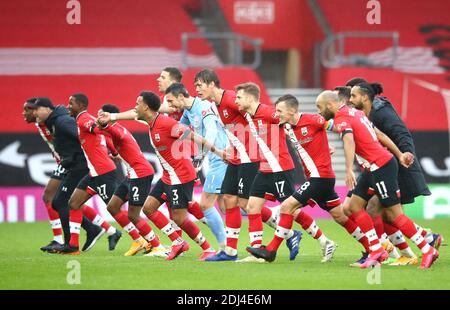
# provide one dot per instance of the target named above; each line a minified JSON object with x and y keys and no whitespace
{"x":65,"y":140}
{"x":411,"y":180}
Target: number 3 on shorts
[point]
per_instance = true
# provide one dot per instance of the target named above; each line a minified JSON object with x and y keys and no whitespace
{"x":175,"y":195}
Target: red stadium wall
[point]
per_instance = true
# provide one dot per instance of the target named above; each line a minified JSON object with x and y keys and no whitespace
{"x":281,"y":24}
{"x":423,"y":102}
{"x":121,"y":90}
{"x":421,"y":106}
{"x":404,"y":16}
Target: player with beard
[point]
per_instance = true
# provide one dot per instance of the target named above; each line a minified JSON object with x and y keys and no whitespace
{"x":411,"y":180}
{"x":307,"y":133}
{"x":362,"y":139}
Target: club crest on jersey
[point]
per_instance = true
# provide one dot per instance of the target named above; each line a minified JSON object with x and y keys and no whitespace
{"x":304,"y":131}
{"x":157,"y":137}
{"x":89,"y":124}
{"x":225,"y":113}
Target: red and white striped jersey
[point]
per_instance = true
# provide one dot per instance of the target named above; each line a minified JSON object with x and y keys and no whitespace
{"x":271,"y":140}
{"x":237,"y":129}
{"x":128,"y":149}
{"x":173,"y":153}
{"x":310,"y":141}
{"x":370,"y":154}
{"x":48,"y":138}
{"x":94,"y":145}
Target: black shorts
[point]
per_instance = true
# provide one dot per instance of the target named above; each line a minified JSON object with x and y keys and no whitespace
{"x":406,"y":183}
{"x":384,"y":182}
{"x":407,"y":188}
{"x":350,"y":192}
{"x":279,"y":184}
{"x":59,"y":173}
{"x":238,"y":179}
{"x":178,"y":196}
{"x":411,"y":182}
{"x":139,"y":189}
{"x":104,"y":185}
{"x":364,"y":186}
{"x":122,"y":190}
{"x":68,"y":184}
{"x":318,"y":191}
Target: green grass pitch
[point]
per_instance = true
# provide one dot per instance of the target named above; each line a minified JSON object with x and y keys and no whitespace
{"x":24,"y":266}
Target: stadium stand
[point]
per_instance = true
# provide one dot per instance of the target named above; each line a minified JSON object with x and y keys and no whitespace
{"x":137,"y":23}
{"x":118,"y":50}
{"x":118,"y":38}
{"x":118,"y":89}
{"x":416,"y":82}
